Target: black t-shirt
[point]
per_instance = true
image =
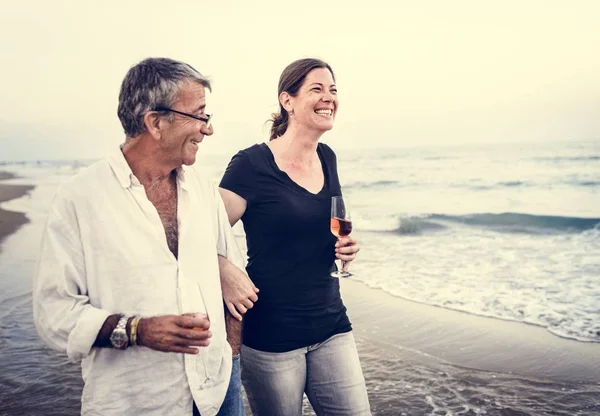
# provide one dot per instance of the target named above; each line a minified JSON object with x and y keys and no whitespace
{"x":291,"y":252}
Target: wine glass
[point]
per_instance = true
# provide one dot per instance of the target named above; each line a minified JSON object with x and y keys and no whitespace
{"x":208,"y":381}
{"x":341,"y":226}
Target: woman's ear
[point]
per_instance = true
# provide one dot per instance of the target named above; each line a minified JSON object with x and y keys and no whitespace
{"x":285,"y":99}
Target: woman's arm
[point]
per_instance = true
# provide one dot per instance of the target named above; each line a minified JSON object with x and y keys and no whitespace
{"x":239,"y":293}
{"x":234,"y":204}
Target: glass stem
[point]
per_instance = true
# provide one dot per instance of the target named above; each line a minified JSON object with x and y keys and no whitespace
{"x":206,"y":377}
{"x":342,"y":262}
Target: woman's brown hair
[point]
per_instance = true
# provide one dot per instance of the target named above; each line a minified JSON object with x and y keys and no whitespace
{"x":290,"y":81}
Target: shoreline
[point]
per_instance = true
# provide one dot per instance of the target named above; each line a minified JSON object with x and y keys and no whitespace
{"x":465,"y":340}
{"x":11,"y":221}
{"x":417,"y":359}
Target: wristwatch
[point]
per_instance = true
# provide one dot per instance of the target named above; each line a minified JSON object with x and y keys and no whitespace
{"x":119,"y":338}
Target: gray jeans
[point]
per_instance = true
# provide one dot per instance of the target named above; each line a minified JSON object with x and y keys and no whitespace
{"x":329,"y":373}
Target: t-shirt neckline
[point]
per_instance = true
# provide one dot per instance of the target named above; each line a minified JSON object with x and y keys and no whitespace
{"x":278,"y":171}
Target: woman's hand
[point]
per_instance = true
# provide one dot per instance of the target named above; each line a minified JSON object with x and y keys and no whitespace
{"x":239,"y":293}
{"x":346,"y":249}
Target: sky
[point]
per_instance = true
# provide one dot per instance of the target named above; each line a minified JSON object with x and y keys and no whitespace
{"x":408,"y":73}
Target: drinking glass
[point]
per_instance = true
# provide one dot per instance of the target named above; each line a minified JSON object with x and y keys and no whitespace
{"x":208,"y":381}
{"x":341,"y":226}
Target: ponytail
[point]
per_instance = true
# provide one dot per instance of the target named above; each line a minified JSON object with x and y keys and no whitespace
{"x":280,"y":124}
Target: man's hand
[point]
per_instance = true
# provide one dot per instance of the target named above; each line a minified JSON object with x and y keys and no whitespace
{"x":174,"y":333}
{"x":239,"y":293}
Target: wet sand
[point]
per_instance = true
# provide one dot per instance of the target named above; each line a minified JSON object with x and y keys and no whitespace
{"x":11,"y":221}
{"x":424,"y":360}
{"x":417,"y":359}
{"x":466,"y":340}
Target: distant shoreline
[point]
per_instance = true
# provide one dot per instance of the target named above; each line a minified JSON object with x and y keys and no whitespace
{"x":11,"y":221}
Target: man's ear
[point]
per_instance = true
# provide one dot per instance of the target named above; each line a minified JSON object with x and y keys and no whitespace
{"x":153,"y":124}
{"x":285,"y":99}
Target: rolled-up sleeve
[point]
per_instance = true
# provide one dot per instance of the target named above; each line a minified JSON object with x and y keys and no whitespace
{"x":62,"y":313}
{"x":226,"y":243}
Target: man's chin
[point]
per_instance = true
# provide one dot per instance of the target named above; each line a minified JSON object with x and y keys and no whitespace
{"x":189,"y":160}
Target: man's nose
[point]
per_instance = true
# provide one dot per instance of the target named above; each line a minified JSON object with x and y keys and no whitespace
{"x":207,"y":130}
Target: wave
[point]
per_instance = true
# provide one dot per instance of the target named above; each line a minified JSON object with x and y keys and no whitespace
{"x":587,"y":183}
{"x":512,"y":183}
{"x":505,"y":222}
{"x":392,"y":183}
{"x":469,"y":185}
{"x":507,"y":184}
{"x":517,"y":222}
{"x":521,"y":184}
{"x":567,"y":327}
{"x":416,"y":225}
{"x":569,"y":158}
{"x":376,"y":184}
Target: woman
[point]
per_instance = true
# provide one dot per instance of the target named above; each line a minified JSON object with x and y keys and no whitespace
{"x":297,"y":338}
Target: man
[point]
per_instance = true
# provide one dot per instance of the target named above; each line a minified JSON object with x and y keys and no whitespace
{"x":128,"y":274}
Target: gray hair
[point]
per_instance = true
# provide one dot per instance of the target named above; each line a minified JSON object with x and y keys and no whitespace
{"x":152,"y":83}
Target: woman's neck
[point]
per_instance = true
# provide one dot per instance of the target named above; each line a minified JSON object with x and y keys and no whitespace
{"x":297,"y":148}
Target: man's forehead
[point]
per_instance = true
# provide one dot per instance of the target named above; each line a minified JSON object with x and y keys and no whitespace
{"x":192,"y":91}
{"x":193,"y":88}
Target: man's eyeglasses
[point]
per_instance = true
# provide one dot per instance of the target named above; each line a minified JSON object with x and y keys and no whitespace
{"x":203,"y":119}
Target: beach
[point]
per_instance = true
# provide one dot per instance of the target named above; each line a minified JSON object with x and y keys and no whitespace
{"x":466,"y":340}
{"x":479,"y":365}
{"x":417,"y":358}
{"x":11,"y":221}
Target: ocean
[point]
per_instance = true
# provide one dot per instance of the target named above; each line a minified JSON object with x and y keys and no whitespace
{"x":506,"y":231}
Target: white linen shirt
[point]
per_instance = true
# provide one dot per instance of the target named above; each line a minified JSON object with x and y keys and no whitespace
{"x":105,"y":252}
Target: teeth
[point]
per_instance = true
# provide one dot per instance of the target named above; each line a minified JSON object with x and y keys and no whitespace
{"x":324,"y":112}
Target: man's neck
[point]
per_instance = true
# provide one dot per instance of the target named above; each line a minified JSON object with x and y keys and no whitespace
{"x":141,"y":158}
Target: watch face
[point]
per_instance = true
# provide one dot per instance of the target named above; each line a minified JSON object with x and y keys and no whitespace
{"x":118,"y":338}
